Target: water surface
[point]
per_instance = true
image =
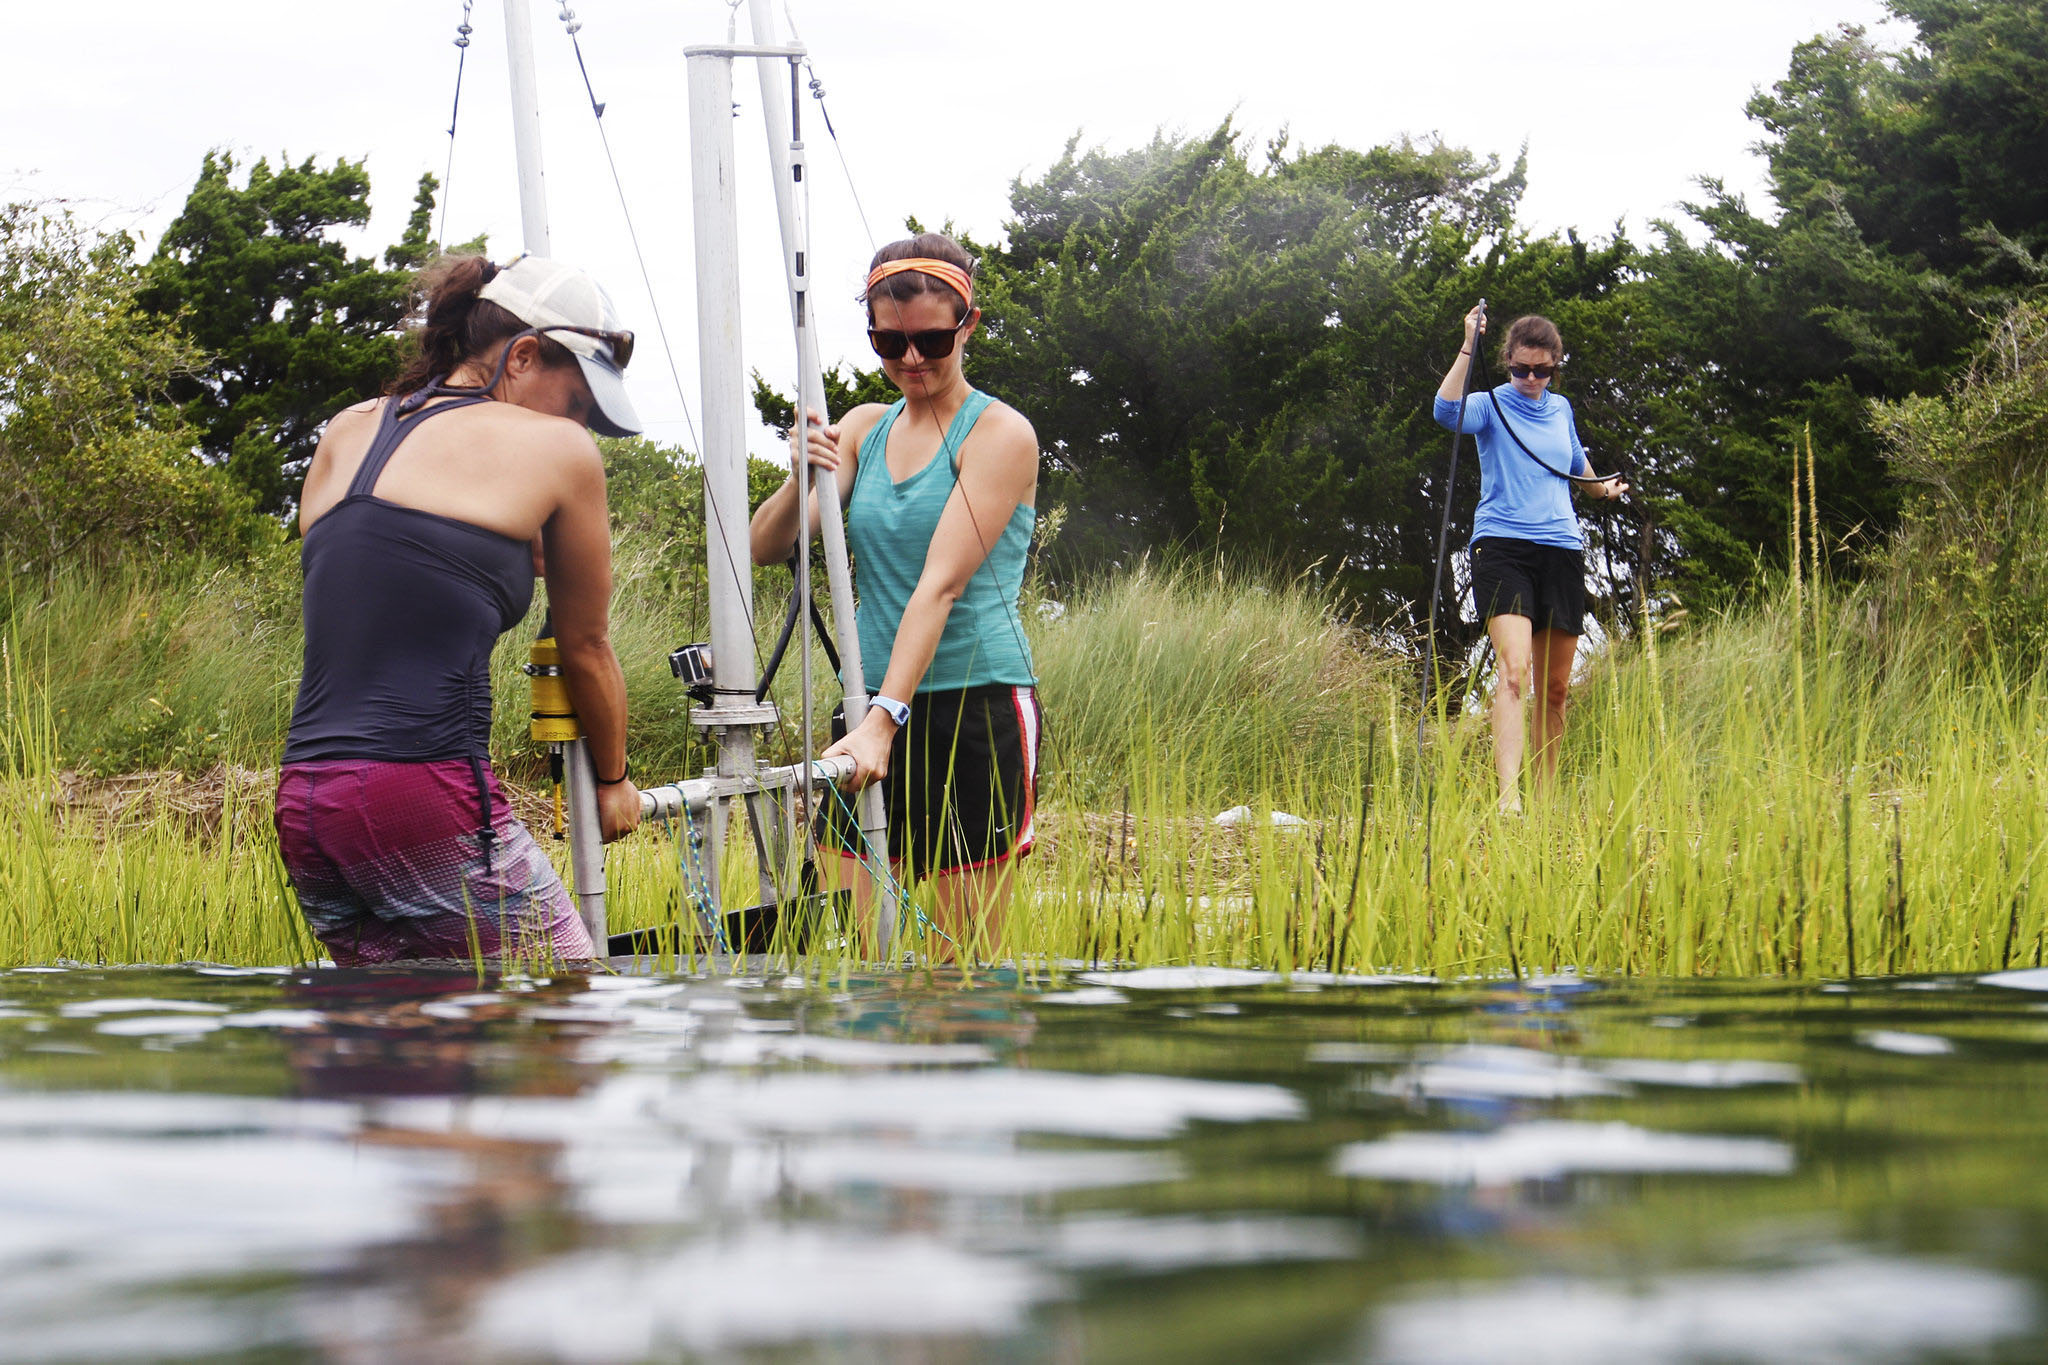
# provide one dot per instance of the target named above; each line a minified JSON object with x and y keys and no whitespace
{"x":1179,"y":1165}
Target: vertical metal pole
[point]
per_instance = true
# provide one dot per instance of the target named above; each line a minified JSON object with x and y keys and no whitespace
{"x":586,"y":838}
{"x":715,"y":214}
{"x":533,"y":193}
{"x":786,"y":158}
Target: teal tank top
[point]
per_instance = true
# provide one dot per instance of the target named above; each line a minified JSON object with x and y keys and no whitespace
{"x":889,"y":526}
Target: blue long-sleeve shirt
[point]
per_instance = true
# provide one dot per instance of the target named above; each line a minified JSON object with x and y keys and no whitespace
{"x":1519,"y":498}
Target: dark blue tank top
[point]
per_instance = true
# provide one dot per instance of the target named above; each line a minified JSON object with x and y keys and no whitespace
{"x":402,"y":608}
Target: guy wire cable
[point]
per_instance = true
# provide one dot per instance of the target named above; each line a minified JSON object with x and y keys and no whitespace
{"x":462,"y":32}
{"x":817,"y":88}
{"x":1015,"y":622}
{"x":573,"y":26}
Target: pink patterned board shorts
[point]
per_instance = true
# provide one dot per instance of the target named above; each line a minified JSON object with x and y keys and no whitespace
{"x":388,"y":865}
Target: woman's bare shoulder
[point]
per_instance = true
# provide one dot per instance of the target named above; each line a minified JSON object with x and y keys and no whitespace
{"x":861,"y":417}
{"x":1002,"y":425}
{"x":357,"y":414}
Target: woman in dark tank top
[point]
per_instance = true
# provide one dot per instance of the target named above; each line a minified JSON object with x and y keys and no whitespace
{"x":425,"y":518}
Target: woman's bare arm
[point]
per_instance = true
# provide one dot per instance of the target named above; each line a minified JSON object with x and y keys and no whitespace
{"x":997,"y":474}
{"x":577,"y":540}
{"x":832,"y":450}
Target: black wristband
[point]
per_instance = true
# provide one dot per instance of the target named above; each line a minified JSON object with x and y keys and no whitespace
{"x":615,"y":781}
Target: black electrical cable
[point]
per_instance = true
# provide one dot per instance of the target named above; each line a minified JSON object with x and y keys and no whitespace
{"x":797,"y":599}
{"x":1494,"y":399}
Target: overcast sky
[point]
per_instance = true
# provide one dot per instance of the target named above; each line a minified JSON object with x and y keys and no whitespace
{"x":1622,"y":105}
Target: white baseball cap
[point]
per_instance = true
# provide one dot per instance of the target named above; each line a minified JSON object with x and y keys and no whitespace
{"x":566,"y":305}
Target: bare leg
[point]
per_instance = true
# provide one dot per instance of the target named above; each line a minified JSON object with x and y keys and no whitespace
{"x":843,"y":871}
{"x":969,"y":908}
{"x":1511,"y":637}
{"x":1554,"y":651}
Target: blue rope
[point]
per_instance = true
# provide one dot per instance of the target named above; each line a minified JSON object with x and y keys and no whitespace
{"x":696,"y":881}
{"x":878,"y":865}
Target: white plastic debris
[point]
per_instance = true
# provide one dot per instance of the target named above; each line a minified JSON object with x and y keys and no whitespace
{"x":1242,"y":815}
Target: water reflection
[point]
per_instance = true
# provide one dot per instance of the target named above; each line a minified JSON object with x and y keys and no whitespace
{"x":1180,"y":1164}
{"x":1855,"y":1310}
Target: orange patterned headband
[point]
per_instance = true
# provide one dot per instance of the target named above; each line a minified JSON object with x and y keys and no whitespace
{"x":945,"y":271}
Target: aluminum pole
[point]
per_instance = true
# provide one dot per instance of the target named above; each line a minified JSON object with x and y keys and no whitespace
{"x":579,"y":775}
{"x":533,"y":193}
{"x":787,"y":159}
{"x":715,"y":215}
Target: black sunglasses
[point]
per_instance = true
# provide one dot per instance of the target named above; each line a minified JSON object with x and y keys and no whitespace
{"x":620,"y":344}
{"x":1524,"y":371}
{"x":933,"y":344}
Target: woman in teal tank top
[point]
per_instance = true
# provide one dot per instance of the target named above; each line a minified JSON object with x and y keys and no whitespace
{"x":939,"y":489}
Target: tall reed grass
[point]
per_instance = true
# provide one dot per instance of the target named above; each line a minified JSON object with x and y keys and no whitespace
{"x":1812,"y":788}
{"x":79,"y":883}
{"x":1806,"y":789}
{"x":1213,"y":674}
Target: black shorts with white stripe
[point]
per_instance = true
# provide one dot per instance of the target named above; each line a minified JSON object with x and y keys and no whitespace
{"x":962,"y":789}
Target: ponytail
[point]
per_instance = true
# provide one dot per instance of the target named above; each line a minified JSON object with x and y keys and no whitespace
{"x":455,"y":325}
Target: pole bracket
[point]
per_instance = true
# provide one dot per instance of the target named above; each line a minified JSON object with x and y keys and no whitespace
{"x":724,"y":716}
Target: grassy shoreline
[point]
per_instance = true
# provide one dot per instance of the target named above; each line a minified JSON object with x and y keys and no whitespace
{"x":1798,"y":790}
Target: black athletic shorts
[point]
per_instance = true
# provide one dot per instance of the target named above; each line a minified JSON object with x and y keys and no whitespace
{"x":1546,"y":583}
{"x":962,"y":786}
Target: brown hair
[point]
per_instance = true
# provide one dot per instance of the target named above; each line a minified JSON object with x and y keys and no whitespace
{"x":935,"y":246}
{"x":455,"y":325}
{"x":1536,"y":332}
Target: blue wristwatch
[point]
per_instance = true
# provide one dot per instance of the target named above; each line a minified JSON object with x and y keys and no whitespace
{"x":895,"y":709}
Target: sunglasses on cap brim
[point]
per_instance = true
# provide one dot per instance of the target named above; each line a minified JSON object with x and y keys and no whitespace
{"x":935,"y":343}
{"x":619,"y":344}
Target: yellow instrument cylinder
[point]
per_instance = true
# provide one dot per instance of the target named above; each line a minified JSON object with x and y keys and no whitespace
{"x":554,"y":716}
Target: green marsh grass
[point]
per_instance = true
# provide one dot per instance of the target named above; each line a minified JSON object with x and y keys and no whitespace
{"x":1788,"y":793}
{"x":1806,"y":789}
{"x":98,"y":886}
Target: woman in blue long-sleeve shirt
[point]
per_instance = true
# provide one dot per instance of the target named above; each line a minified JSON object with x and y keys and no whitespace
{"x":1528,"y":563}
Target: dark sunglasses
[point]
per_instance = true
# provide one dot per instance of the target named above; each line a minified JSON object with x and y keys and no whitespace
{"x":1524,"y":371}
{"x":933,"y":344}
{"x":620,"y":344}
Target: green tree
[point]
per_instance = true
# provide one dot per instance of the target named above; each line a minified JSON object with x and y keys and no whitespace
{"x":843,"y":390}
{"x":294,"y":327}
{"x":1912,"y":199}
{"x":1938,"y":152}
{"x":1974,"y":538}
{"x":1224,"y":350}
{"x":96,"y":465}
{"x":1229,"y":349}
